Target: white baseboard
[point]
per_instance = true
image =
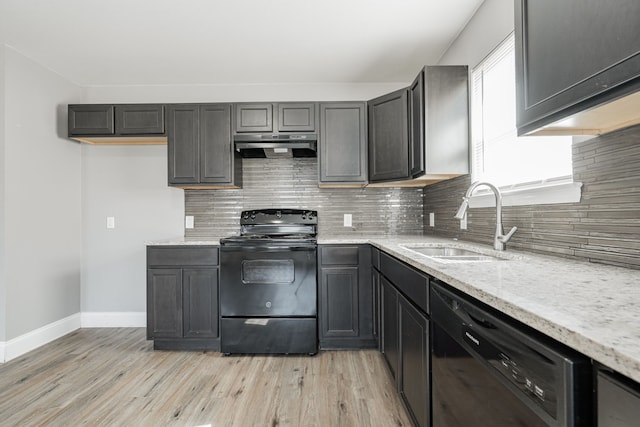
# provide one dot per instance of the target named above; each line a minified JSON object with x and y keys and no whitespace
{"x":117,"y":319}
{"x":31,"y":340}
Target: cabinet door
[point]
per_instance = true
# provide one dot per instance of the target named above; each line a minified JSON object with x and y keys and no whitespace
{"x":343,"y":143}
{"x":414,"y":355}
{"x":183,"y":135}
{"x":389,"y":137}
{"x":95,"y":119}
{"x":254,"y":117}
{"x":416,"y":128}
{"x":297,"y":117}
{"x":200,"y":303}
{"x":375,"y":284}
{"x":216,"y":148}
{"x":139,"y":119}
{"x":164,"y":303}
{"x":390,"y":339}
{"x":573,"y":55}
{"x":339,"y":302}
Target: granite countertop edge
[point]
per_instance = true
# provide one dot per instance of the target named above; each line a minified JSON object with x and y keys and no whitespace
{"x":592,"y":308}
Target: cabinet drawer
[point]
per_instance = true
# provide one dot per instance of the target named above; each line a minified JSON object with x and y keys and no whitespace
{"x":413,"y":284}
{"x":339,"y":255}
{"x":182,"y":256}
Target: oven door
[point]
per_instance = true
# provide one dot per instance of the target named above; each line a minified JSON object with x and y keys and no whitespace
{"x":268,"y":281}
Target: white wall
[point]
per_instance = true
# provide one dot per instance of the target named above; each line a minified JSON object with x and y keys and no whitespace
{"x":492,"y":23}
{"x":242,"y":93}
{"x":42,"y":190}
{"x":3,"y":217}
{"x":130,"y":184}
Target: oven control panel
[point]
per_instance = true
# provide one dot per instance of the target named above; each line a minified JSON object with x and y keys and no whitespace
{"x":279,"y":216}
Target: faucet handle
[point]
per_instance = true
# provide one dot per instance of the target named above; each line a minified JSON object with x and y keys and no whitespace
{"x":506,"y":237}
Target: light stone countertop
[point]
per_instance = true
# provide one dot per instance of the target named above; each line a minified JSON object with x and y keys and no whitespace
{"x":592,"y":308}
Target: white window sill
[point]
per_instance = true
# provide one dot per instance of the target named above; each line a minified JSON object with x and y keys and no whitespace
{"x":569,"y":192}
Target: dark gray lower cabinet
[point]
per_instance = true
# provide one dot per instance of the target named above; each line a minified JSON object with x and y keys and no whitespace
{"x":414,"y":354}
{"x":405,"y":333}
{"x":618,"y":401}
{"x":390,"y":327}
{"x":182,"y":297}
{"x":345,"y":297}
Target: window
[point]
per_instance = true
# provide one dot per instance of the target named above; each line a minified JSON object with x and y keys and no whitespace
{"x":517,"y":165}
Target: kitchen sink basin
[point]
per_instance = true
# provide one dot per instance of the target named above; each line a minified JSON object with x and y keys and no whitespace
{"x":449,"y":253}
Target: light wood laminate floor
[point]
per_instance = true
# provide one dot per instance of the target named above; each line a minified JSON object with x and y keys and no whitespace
{"x":113,"y":377}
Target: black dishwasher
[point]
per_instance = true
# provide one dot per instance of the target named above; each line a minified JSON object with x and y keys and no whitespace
{"x":489,"y":370}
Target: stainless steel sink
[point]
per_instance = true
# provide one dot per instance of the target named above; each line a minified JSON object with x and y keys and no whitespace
{"x":450,"y":253}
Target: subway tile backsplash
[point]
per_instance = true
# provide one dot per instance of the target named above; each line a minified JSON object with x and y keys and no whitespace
{"x":293,"y":183}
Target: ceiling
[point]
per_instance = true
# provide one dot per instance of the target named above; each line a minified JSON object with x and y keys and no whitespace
{"x":174,"y":42}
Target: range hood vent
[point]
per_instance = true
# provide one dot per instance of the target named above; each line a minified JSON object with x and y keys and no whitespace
{"x":276,"y":145}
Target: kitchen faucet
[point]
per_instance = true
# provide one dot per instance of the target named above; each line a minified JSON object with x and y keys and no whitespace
{"x":499,"y":239}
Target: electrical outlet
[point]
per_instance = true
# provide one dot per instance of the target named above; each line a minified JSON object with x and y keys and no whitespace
{"x":348,"y":220}
{"x":463,"y":223}
{"x":188,"y":221}
{"x":111,"y":222}
{"x":432,"y":219}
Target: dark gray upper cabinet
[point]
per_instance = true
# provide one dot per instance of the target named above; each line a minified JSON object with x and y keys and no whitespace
{"x":416,"y":128}
{"x":296,"y":117}
{"x":389,"y":137}
{"x":201,"y":152}
{"x":572,"y":56}
{"x":139,"y":119}
{"x":342,"y":144}
{"x":420,"y":135}
{"x":254,"y":117}
{"x":440,"y":123}
{"x":345,"y":297}
{"x":90,"y":119}
{"x":116,"y":120}
{"x":282,"y":117}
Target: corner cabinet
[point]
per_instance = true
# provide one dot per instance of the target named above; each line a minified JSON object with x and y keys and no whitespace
{"x":572,"y":56}
{"x":201,"y":152}
{"x":342,"y":144}
{"x":345,"y":297}
{"x":420,"y":135}
{"x":182,"y":297}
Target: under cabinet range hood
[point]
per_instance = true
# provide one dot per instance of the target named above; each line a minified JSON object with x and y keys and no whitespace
{"x":269,"y":145}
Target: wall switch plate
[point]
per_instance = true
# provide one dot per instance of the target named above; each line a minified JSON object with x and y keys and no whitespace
{"x":348,"y":220}
{"x":463,"y":223}
{"x":111,"y":222}
{"x":188,"y":221}
{"x":432,"y":219}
